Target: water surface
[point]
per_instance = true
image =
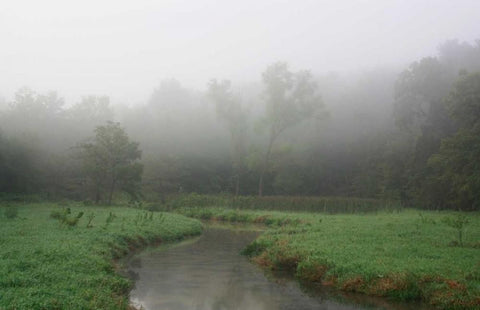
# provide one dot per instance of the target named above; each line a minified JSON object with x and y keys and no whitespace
{"x":208,"y":273}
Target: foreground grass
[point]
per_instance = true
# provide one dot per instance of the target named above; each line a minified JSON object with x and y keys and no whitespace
{"x":45,"y":264}
{"x":406,"y":255}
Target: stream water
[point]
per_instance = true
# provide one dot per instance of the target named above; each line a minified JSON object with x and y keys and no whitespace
{"x":208,"y":273}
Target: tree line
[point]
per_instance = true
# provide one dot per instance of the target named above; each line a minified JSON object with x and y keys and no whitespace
{"x":408,"y":134}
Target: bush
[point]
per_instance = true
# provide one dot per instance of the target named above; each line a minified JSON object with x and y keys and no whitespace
{"x":65,"y":218}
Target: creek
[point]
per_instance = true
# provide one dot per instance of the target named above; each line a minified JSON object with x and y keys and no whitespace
{"x":209,"y":273}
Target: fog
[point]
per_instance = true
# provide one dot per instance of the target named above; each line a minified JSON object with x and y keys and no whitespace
{"x":367,"y":99}
{"x":123,"y":49}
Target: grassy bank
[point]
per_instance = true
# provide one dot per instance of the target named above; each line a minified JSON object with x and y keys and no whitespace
{"x":407,"y":255}
{"x":52,"y":260}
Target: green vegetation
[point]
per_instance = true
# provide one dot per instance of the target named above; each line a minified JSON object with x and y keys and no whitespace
{"x":403,"y":255}
{"x":110,"y":163}
{"x":280,"y":203}
{"x":11,"y":212}
{"x":459,"y":222}
{"x":54,"y":258}
{"x":455,"y":173}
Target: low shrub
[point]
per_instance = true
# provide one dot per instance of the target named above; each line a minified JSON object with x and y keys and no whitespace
{"x":65,"y":217}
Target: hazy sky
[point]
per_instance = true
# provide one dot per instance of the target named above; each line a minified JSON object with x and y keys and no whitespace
{"x":124,"y":48}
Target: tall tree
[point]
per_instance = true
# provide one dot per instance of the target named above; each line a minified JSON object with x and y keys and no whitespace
{"x":19,"y":168}
{"x":230,"y":111}
{"x":290,"y":98}
{"x":456,"y":171}
{"x":110,"y":162}
{"x":422,"y":121}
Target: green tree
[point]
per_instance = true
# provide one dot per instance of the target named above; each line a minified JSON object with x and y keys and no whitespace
{"x":32,"y":105}
{"x":418,"y":91}
{"x":36,"y":114}
{"x":110,"y":162}
{"x":19,"y":168}
{"x":464,"y":101}
{"x":422,"y":121}
{"x":290,"y":98}
{"x":231,"y":112}
{"x":456,"y":168}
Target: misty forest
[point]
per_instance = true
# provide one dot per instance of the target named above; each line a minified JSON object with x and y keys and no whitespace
{"x":362,"y":185}
{"x":407,"y":136}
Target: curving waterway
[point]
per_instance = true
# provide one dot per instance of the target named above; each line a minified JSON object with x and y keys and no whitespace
{"x":208,"y":273}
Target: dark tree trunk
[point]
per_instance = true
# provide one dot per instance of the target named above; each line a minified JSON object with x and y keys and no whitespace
{"x":112,"y":189}
{"x":265,"y":164}
{"x":237,"y":185}
{"x":97,"y":196}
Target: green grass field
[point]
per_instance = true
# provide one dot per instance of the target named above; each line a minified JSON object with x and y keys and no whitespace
{"x":404,"y":255}
{"x":48,"y":263}
{"x":51,"y":260}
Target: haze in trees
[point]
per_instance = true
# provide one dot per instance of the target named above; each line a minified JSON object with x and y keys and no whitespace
{"x":398,"y":133}
{"x":230,"y":111}
{"x":290,"y":98}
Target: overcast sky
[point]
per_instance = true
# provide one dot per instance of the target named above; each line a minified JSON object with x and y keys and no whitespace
{"x":124,"y":48}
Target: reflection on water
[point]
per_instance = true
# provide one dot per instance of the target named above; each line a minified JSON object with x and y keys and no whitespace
{"x":209,"y":274}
